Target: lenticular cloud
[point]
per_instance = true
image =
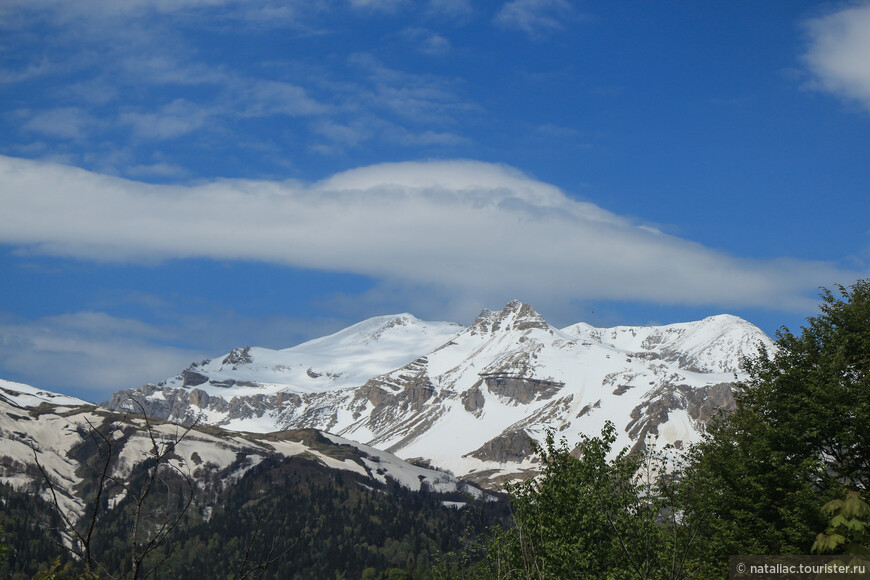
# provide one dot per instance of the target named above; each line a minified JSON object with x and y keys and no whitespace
{"x":466,"y":227}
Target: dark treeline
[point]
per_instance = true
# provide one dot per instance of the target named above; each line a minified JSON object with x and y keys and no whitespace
{"x":287,"y":518}
{"x":27,"y":537}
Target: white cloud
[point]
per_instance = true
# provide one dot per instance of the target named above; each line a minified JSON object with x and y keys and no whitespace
{"x":28,"y":71}
{"x":427,"y":41}
{"x":379,"y":5}
{"x":140,"y":77}
{"x":343,"y":134}
{"x":459,"y":10}
{"x":62,"y":11}
{"x":95,"y":354}
{"x":163,"y":69}
{"x":89,"y":350}
{"x":537,"y":18}
{"x":173,"y":120}
{"x":415,"y":98}
{"x":160,"y":170}
{"x":426,"y":138}
{"x":464,"y":227}
{"x":839,"y":53}
{"x":260,"y":98}
{"x":63,"y":123}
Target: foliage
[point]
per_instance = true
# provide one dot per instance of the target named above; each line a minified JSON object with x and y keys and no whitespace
{"x":849,"y":529}
{"x":30,"y":537}
{"x":4,"y":549}
{"x":587,"y":516}
{"x":800,"y":435}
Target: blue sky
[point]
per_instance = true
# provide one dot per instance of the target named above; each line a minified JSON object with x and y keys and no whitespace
{"x":179,"y":178}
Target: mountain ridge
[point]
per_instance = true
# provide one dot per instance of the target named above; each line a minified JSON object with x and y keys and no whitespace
{"x":466,"y":399}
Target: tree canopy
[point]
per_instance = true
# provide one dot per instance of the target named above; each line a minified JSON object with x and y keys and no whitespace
{"x":799,"y":437}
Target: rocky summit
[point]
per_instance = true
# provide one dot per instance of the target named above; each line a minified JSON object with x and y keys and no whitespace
{"x":471,"y":399}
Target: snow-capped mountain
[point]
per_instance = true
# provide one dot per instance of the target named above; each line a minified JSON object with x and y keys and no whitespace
{"x":245,"y":389}
{"x":346,"y":358}
{"x":27,"y":396}
{"x":469,"y":399}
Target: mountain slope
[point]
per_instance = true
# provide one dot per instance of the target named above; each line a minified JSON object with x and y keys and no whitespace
{"x":336,"y":506}
{"x":471,"y":403}
{"x":61,"y":438}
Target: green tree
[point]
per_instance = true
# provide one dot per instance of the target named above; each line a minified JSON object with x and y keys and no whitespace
{"x":800,"y":435}
{"x":587,"y":516}
{"x":4,"y":549}
{"x":849,"y":529}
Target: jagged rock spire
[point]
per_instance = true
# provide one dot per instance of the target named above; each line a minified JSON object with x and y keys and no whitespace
{"x":516,"y":315}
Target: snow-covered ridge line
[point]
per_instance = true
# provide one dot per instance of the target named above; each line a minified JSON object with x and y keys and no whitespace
{"x":469,"y":399}
{"x":27,"y":396}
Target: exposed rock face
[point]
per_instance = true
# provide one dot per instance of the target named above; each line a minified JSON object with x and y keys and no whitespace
{"x":515,"y":315}
{"x":705,"y":403}
{"x":198,"y":398}
{"x":700,"y":403}
{"x":239,"y":356}
{"x":372,"y":393}
{"x":409,"y":388}
{"x":520,"y":389}
{"x":193,"y":378}
{"x":473,"y":400}
{"x":172,"y":404}
{"x":621,"y":389}
{"x":510,"y":446}
{"x":285,"y":398}
{"x":588,"y":408}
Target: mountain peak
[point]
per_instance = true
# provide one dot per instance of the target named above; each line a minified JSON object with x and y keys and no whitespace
{"x":516,"y":315}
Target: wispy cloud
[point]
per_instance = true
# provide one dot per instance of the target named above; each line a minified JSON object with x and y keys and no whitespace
{"x":415,"y":97}
{"x":140,"y":77}
{"x":89,"y":350}
{"x":427,"y":41}
{"x":537,"y":18}
{"x":472,"y":228}
{"x":162,"y":69}
{"x":426,"y":138}
{"x":62,"y":123}
{"x":457,"y":10}
{"x":839,"y":53}
{"x":30,"y":70}
{"x":263,"y":98}
{"x":61,"y":11}
{"x":379,"y":5}
{"x":175,"y":119}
